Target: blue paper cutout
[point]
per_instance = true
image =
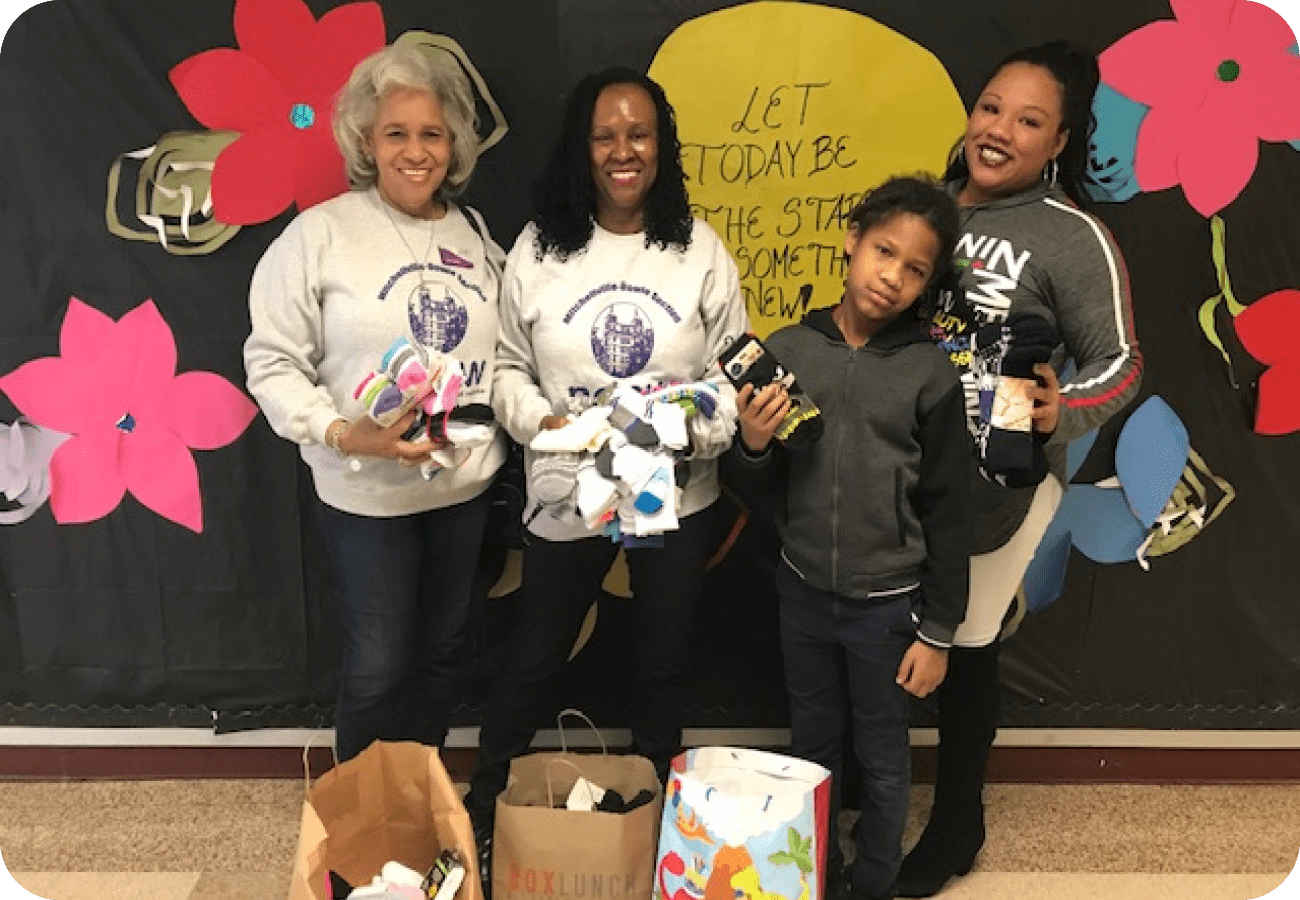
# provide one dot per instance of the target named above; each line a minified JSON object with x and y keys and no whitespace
{"x":1102,"y":524}
{"x":1110,"y":177}
{"x":1110,"y":525}
{"x":1150,"y":457}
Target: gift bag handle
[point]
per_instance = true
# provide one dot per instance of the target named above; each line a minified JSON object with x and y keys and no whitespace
{"x":559,"y":721}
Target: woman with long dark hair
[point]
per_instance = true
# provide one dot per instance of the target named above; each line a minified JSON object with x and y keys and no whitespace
{"x":1026,"y":247}
{"x":611,"y":284}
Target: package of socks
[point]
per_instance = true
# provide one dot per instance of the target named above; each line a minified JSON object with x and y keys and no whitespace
{"x":392,"y":803}
{"x":748,"y":361}
{"x":744,"y":822}
{"x":1003,"y":356}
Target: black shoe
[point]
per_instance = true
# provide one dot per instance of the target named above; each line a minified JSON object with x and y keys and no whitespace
{"x":861,"y":895}
{"x":837,"y":884}
{"x":940,"y":855}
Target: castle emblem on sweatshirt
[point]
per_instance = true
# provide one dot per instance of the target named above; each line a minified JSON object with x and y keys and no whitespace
{"x":438,"y":318}
{"x":622,"y":339}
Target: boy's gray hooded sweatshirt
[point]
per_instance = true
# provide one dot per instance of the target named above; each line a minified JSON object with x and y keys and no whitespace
{"x":880,"y":504}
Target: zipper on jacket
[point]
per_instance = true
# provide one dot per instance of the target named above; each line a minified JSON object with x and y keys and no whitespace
{"x":835,"y":483}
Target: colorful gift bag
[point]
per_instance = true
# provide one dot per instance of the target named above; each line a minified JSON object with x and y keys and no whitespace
{"x":743,"y":823}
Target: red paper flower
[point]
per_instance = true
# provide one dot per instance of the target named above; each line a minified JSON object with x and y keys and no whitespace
{"x":1218,"y":79}
{"x":1267,"y":330}
{"x":133,"y":420}
{"x":278,"y":91}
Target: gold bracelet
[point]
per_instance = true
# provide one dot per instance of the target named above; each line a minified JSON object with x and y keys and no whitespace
{"x":334,"y":436}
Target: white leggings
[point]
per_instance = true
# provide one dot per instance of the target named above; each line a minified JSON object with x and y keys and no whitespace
{"x":995,"y":577}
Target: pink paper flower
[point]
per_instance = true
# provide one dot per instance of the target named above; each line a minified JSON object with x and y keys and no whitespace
{"x":133,"y":420}
{"x":278,"y":91}
{"x":1266,"y":329}
{"x":1218,"y":79}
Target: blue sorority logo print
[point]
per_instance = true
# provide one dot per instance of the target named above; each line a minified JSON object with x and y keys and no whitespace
{"x":622,"y":339}
{"x":438,"y":324}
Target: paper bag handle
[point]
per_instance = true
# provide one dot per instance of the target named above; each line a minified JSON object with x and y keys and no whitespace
{"x":306,"y":762}
{"x":550,"y":790}
{"x":559,"y":721}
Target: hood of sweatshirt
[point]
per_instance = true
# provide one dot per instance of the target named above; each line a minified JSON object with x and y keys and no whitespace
{"x":1032,"y":194}
{"x":904,"y":329}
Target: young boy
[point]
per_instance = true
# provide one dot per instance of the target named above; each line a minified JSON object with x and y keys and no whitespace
{"x":874,"y":517}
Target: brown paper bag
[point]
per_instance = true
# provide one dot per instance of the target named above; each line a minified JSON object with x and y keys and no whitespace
{"x":541,"y":851}
{"x":393,"y":801}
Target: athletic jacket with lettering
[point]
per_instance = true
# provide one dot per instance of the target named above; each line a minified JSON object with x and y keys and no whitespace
{"x":1037,"y":252}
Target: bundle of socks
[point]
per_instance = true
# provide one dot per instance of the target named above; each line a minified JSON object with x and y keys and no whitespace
{"x":398,"y":882}
{"x":614,"y":463}
{"x":1003,"y":355}
{"x":586,"y":796}
{"x":748,"y":361}
{"x":407,"y":379}
{"x":402,"y":380}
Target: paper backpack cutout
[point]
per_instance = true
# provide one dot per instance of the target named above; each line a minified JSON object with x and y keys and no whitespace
{"x":1163,"y":495}
{"x":1217,"y":79}
{"x":133,"y":420}
{"x":268,"y":104}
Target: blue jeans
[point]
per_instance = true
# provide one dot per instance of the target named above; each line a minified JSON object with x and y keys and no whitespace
{"x":403,"y":585}
{"x":841,"y":664}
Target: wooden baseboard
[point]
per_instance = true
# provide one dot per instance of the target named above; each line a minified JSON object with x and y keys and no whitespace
{"x":1046,"y":765}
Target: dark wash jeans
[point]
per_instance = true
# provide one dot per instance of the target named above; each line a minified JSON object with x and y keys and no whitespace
{"x":561,"y":579}
{"x":403,"y":585}
{"x":841,"y":664}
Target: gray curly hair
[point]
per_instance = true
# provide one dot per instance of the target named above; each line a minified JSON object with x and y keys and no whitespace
{"x":404,"y":67}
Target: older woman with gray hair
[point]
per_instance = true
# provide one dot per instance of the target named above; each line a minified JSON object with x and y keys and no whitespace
{"x":394,"y":262}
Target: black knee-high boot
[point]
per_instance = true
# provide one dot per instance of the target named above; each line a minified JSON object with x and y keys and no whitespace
{"x":970,"y":700}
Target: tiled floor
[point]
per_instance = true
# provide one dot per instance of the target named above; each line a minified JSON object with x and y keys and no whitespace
{"x":234,"y":840}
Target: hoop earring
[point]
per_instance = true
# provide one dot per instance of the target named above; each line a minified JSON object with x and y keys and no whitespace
{"x":1051,"y":171}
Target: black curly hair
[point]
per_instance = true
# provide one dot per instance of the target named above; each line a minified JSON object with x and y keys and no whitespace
{"x":920,"y":195}
{"x":564,"y":197}
{"x":1075,"y":70}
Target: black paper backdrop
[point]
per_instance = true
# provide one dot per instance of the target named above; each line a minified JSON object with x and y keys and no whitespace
{"x":134,"y":620}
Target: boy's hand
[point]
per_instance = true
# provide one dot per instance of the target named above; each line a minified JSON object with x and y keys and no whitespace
{"x":923,"y":669}
{"x":761,"y":414}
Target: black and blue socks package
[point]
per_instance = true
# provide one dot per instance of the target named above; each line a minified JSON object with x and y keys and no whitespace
{"x":748,"y":361}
